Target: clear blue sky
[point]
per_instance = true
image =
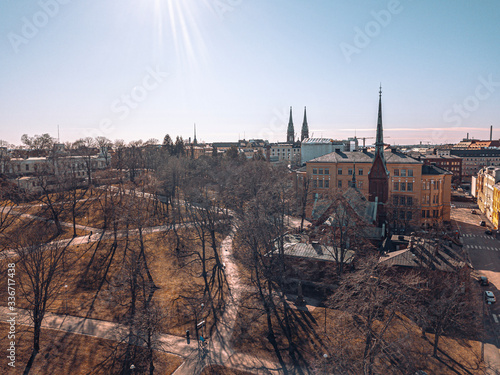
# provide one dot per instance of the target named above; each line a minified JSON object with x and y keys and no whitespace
{"x":130,"y":69}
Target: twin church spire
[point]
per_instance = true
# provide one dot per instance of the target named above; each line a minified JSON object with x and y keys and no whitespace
{"x":290,"y":134}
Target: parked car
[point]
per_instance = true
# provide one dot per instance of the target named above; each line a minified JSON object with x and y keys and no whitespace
{"x":483,"y":280}
{"x":489,"y":297}
{"x":488,"y":231}
{"x":482,"y":223}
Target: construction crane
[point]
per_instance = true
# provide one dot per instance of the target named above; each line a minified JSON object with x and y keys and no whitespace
{"x":365,"y":138}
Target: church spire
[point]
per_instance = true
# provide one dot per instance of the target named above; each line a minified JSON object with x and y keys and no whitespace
{"x":378,"y":176}
{"x":379,"y":141}
{"x":290,"y":133}
{"x":305,"y":128}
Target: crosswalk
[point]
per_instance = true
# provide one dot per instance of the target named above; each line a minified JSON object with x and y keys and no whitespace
{"x":479,"y":247}
{"x":490,"y":237}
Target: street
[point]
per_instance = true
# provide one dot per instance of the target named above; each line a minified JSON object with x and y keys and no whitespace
{"x":483,"y":251}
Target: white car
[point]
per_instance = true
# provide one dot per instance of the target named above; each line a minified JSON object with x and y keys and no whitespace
{"x":489,"y":297}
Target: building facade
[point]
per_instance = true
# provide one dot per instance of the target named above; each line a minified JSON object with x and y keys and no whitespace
{"x":486,"y":180}
{"x":403,"y":188}
{"x":474,"y":160}
{"x":450,"y":163}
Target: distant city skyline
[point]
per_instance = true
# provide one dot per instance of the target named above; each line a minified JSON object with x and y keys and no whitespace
{"x":129,"y":70}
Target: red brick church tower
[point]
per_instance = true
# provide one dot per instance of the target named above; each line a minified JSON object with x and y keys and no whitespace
{"x":378,"y":177}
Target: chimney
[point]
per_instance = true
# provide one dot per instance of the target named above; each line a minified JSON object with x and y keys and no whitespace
{"x":491,"y":132}
{"x":467,"y":136}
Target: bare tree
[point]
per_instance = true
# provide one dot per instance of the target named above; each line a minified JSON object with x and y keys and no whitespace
{"x":449,"y":304}
{"x":374,"y":296}
{"x":41,"y":267}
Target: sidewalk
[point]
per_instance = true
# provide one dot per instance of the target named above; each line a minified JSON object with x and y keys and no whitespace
{"x":96,"y":328}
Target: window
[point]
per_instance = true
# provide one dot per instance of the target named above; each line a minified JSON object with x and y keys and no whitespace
{"x":339,"y":184}
{"x":321,"y":171}
{"x":360,"y":172}
{"x":408,"y":215}
{"x":339,"y":171}
{"x":327,"y":170}
{"x":409,"y":201}
{"x":27,"y":167}
{"x":402,"y":215}
{"x":403,"y":172}
{"x":315,"y":183}
{"x":423,"y":213}
{"x":360,"y":184}
{"x":403,"y":186}
{"x":320,"y":183}
{"x":349,"y":171}
{"x":409,"y":185}
{"x":396,"y":186}
{"x":327,"y":183}
{"x":315,"y":171}
{"x":395,"y":200}
{"x":410,"y":172}
{"x":396,"y":172}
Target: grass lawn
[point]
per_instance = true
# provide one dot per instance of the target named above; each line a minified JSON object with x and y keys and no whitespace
{"x":341,"y":338}
{"x":62,"y":353}
{"x":174,"y":276}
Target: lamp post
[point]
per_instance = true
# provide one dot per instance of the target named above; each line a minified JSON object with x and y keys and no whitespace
{"x":201,"y":317}
{"x":132,"y":369}
{"x":325,"y":356}
{"x":66,"y":299}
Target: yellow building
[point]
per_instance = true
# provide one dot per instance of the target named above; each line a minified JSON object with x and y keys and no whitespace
{"x":418,"y":193}
{"x":496,"y":205}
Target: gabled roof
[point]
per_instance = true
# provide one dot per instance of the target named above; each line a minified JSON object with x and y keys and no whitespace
{"x":316,"y":252}
{"x":425,"y":253}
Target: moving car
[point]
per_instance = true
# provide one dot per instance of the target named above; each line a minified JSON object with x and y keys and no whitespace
{"x":483,"y":280}
{"x":489,"y":297}
{"x":488,"y":231}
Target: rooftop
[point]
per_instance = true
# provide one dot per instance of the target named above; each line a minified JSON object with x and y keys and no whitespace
{"x":433,"y":170}
{"x":426,"y":254}
{"x":391,"y":157}
{"x":316,"y":252}
{"x":322,"y":141}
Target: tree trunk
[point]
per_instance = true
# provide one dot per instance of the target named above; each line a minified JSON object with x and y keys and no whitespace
{"x":436,"y":343}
